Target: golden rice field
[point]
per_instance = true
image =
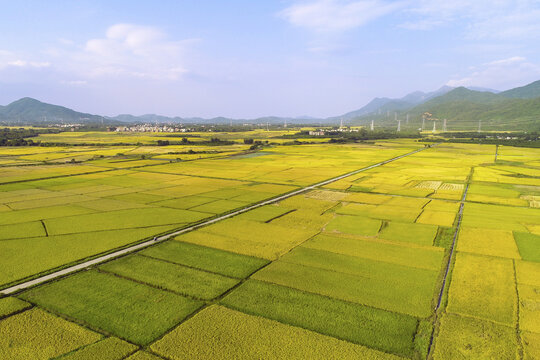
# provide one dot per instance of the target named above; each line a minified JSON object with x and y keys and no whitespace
{"x":349,"y":270}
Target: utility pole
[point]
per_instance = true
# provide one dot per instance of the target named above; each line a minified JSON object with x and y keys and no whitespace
{"x":423,"y":122}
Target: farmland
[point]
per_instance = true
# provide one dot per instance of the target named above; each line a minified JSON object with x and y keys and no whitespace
{"x":355,"y":268}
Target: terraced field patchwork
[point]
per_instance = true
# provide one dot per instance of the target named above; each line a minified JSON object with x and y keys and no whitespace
{"x":36,"y":334}
{"x":206,"y":258}
{"x":359,"y":324}
{"x":165,"y":275}
{"x":129,"y":310}
{"x":220,"y":333}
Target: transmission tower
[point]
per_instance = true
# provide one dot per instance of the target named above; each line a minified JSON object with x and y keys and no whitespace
{"x":372,"y":127}
{"x":434,"y":126}
{"x":399,"y":125}
{"x":444,"y":125}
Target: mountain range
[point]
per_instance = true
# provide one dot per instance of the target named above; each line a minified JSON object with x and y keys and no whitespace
{"x":513,"y":109}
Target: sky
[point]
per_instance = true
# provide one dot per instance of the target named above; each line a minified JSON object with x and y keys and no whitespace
{"x":247,"y":59}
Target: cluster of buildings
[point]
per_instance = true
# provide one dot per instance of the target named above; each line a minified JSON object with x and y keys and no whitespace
{"x":152,"y":128}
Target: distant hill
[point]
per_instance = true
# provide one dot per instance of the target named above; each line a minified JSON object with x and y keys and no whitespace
{"x":464,"y":108}
{"x":28,"y":110}
{"x":383,"y":105}
{"x":529,"y":91}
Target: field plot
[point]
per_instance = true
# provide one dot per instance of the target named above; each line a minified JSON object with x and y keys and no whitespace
{"x":36,"y":334}
{"x":127,"y":309}
{"x":350,"y":270}
{"x":220,"y":333}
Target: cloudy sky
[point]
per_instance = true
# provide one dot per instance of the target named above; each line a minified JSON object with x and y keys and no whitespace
{"x":251,"y":58}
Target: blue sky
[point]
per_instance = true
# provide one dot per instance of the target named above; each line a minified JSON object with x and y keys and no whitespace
{"x":249,"y":58}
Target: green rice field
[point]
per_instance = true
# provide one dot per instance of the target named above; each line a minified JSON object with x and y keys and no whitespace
{"x":354,"y":269}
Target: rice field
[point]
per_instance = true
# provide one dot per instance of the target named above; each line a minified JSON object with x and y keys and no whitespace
{"x":349,"y":270}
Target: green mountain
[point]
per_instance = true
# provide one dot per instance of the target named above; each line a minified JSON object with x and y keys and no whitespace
{"x":28,"y":110}
{"x":465,"y":109}
{"x":524,"y":92}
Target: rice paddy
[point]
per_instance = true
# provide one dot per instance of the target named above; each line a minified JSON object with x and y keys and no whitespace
{"x":352,"y":269}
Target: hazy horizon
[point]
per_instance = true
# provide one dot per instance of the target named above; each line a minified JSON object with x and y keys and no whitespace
{"x":245,"y":59}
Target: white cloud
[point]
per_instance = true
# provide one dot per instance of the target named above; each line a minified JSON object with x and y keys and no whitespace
{"x":336,"y":15}
{"x":133,"y":51}
{"x":483,"y":19}
{"x":500,"y":74}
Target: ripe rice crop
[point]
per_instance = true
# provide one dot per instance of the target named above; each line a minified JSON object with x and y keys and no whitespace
{"x":468,"y":338}
{"x":528,"y":245}
{"x":433,"y":185}
{"x":401,"y":254}
{"x":327,"y":195}
{"x":267,"y":241}
{"x":36,"y":334}
{"x":205,"y":258}
{"x":220,"y":333}
{"x":375,"y":199}
{"x":265,"y":213}
{"x":414,"y":233}
{"x":483,"y":287}
{"x":50,"y":252}
{"x":441,"y":218}
{"x":531,"y":345}
{"x":129,"y":310}
{"x":529,"y":308}
{"x":10,"y":305}
{"x":142,"y":355}
{"x":397,"y":213}
{"x":487,"y":242}
{"x":219,"y":206}
{"x":110,"y":348}
{"x":359,"y":324}
{"x":23,"y":230}
{"x":355,"y":225}
{"x":121,"y":219}
{"x":178,"y":278}
{"x":404,"y":292}
{"x":528,"y":273}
